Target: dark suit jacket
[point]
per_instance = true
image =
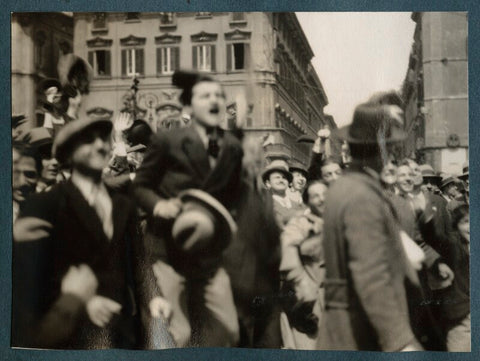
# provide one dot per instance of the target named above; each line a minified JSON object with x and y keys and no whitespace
{"x":366,"y":306}
{"x":76,"y":236}
{"x":176,"y":161}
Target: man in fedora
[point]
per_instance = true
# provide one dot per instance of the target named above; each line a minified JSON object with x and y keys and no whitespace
{"x":299,"y":181}
{"x":431,"y":180}
{"x":202,"y":156}
{"x":276,"y":178}
{"x":73,"y":224}
{"x":365,"y":300}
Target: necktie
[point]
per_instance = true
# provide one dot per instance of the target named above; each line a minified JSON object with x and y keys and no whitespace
{"x":105,"y":218}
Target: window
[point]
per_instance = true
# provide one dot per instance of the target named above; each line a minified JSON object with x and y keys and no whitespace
{"x":204,"y":57}
{"x":99,"y":21}
{"x":100,"y":62}
{"x":132,"y":16}
{"x":132,"y":62}
{"x":166,"y":18}
{"x":168,"y":60}
{"x":238,"y":16}
{"x":237,"y":56}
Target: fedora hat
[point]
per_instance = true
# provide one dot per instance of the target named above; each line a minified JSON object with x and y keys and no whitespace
{"x":204,"y":223}
{"x":277,"y":165}
{"x":464,"y":175}
{"x":373,"y":124}
{"x":49,"y":83}
{"x":298,"y":167}
{"x":66,"y":137}
{"x":428,"y":172}
{"x":447,"y":180}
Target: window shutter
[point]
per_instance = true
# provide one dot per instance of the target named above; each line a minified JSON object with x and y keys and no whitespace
{"x":124,"y":61}
{"x":176,"y":58}
{"x":194,"y":57}
{"x":213,"y":58}
{"x":229,"y":57}
{"x":139,"y":66}
{"x":246,"y":55}
{"x":107,"y":63}
{"x":159,"y":60}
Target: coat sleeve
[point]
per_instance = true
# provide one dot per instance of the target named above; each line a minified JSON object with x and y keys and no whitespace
{"x":292,"y":236}
{"x":369,"y":246}
{"x":150,"y":173}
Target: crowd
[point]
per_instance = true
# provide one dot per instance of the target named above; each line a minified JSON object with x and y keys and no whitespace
{"x":188,"y":237}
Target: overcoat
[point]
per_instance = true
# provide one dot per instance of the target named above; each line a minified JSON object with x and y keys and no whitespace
{"x":72,"y":235}
{"x":365,"y":301}
{"x":175,"y":161}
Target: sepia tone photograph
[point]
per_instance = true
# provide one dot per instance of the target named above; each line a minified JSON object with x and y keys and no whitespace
{"x":274,"y":180}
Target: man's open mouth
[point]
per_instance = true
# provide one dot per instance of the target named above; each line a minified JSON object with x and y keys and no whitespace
{"x":214,"y":110}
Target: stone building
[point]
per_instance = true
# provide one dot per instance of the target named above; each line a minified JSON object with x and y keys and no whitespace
{"x":38,"y":41}
{"x":436,"y":91}
{"x":258,"y":56}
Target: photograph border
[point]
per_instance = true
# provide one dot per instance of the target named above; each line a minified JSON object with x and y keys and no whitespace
{"x":210,"y":354}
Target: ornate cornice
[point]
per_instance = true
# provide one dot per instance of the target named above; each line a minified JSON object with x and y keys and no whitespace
{"x":168,"y":39}
{"x":203,"y":37}
{"x":238,"y":34}
{"x":132,"y":41}
{"x":99,"y":42}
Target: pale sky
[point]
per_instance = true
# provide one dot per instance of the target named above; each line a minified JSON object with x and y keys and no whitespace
{"x":357,"y":54}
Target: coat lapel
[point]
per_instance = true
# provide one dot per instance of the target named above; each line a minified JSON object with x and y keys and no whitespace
{"x":196,"y":154}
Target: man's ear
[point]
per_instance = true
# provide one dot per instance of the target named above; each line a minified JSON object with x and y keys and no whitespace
{"x":268,"y":184}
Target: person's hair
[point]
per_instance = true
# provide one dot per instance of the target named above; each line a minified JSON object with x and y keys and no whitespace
{"x":458,"y":213}
{"x":26,"y":150}
{"x":305,"y":196}
{"x":364,"y":151}
{"x":139,"y":133}
{"x":186,"y":81}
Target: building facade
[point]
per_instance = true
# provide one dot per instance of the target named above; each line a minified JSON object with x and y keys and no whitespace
{"x":436,"y":91}
{"x":38,"y":41}
{"x":261,"y":57}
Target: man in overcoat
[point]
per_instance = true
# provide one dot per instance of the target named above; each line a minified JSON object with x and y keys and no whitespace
{"x":205,"y":157}
{"x":79,"y":222}
{"x":365,"y":300}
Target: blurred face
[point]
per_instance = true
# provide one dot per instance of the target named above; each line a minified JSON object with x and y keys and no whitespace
{"x":405,"y":179}
{"x":430,"y":184}
{"x":464,"y":227}
{"x":416,"y":172}
{"x":389,"y":174}
{"x":91,"y":153}
{"x":299,"y":181}
{"x":208,"y":103}
{"x":331,"y":172}
{"x":277,"y":182}
{"x":316,"y":198}
{"x":24,"y":178}
{"x":451,"y":191}
{"x":49,"y":169}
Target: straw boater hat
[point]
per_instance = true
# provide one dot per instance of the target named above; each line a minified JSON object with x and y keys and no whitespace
{"x":277,"y":165}
{"x":372,"y":124}
{"x":66,"y":137}
{"x":204,"y":223}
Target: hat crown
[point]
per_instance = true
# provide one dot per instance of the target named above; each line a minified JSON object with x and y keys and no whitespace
{"x":427,"y":170}
{"x":278,"y":164}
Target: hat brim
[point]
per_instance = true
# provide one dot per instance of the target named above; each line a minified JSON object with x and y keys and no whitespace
{"x":212,"y":204}
{"x":305,"y":139}
{"x":70,"y":133}
{"x":49,"y":83}
{"x":436,"y":177}
{"x":463,"y":176}
{"x":343,"y":133}
{"x":300,"y":170}
{"x":267,"y":173}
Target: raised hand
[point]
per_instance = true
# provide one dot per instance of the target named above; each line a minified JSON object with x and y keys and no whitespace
{"x":80,"y":281}
{"x":101,"y":309}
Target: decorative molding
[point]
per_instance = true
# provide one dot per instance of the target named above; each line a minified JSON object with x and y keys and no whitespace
{"x":168,"y":39}
{"x":203,"y":37}
{"x":132,"y":41}
{"x":100,"y":113}
{"x":238,"y":34}
{"x":99,"y":42}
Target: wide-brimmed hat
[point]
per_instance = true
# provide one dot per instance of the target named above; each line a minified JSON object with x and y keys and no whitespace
{"x":428,"y":172}
{"x":298,"y":167}
{"x":464,"y":175}
{"x":41,"y":139}
{"x":372,"y":124}
{"x":447,"y":181}
{"x":49,"y":83}
{"x":203,"y":224}
{"x":277,"y":165}
{"x":65,"y":139}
